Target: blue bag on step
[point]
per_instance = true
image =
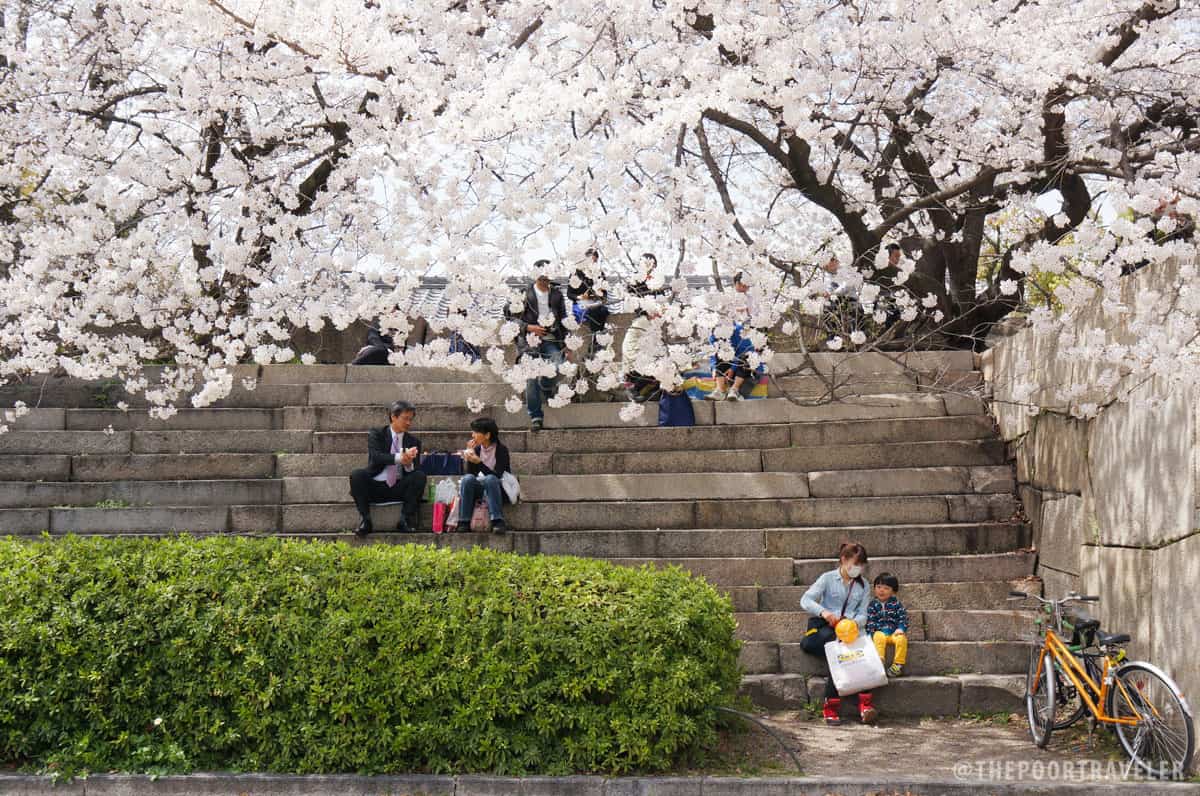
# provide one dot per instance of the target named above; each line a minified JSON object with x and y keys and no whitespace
{"x":442,"y":463}
{"x":675,"y":409}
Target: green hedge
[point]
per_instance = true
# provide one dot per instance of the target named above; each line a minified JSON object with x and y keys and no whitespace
{"x":276,"y":655}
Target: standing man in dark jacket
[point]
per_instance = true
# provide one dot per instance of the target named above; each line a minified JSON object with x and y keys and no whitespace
{"x":541,"y":319}
{"x":588,"y":299}
{"x":391,"y":474}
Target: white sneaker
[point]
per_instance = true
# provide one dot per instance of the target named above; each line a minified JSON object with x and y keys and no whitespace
{"x":734,"y":395}
{"x":716,"y":395}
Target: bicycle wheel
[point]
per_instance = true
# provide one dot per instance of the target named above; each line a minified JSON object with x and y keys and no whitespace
{"x":1069,"y":707}
{"x":1162,"y":742}
{"x":1039,"y":696}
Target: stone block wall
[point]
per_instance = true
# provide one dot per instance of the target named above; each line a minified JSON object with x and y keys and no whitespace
{"x":1113,"y":500}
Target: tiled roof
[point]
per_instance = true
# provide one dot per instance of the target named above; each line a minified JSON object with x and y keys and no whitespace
{"x":432,"y":297}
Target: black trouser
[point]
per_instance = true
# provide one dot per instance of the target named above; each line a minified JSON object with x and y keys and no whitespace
{"x":644,"y":386}
{"x":372,"y":355}
{"x":596,"y":318}
{"x":408,"y":489}
{"x":733,"y":370}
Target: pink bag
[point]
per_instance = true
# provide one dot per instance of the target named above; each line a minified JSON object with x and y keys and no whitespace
{"x":439,"y":517}
{"x":480,"y":521}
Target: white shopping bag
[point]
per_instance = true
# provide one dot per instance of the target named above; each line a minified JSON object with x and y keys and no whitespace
{"x":855,"y":666}
{"x":511,"y":487}
{"x":446,"y":491}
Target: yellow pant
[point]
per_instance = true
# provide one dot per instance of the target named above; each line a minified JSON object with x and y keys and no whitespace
{"x":899,"y":640}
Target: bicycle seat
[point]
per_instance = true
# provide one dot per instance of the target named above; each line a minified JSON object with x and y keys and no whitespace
{"x":1110,"y":639}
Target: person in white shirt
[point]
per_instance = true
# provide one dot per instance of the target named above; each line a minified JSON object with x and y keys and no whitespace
{"x":643,"y":339}
{"x":542,"y":318}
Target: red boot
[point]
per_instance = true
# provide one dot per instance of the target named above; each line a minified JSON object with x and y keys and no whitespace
{"x":830,"y":711}
{"x":866,"y":711}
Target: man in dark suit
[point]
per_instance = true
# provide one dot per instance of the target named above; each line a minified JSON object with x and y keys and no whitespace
{"x":542,"y":318}
{"x":391,"y":474}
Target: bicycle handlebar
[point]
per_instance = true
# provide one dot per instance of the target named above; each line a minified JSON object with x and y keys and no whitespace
{"x":1070,"y":598}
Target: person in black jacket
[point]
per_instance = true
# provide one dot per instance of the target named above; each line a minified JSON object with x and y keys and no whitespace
{"x":643,"y":289}
{"x":376,"y":351}
{"x":391,"y":474}
{"x":542,"y":317}
{"x":589,"y":301}
{"x":487,"y":461}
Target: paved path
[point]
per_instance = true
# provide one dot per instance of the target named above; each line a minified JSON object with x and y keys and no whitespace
{"x":984,"y":752}
{"x":929,"y":757}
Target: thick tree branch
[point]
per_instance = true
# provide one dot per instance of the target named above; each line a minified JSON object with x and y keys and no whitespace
{"x":719,"y":181}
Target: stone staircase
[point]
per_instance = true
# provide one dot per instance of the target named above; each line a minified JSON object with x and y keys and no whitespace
{"x":755,"y":497}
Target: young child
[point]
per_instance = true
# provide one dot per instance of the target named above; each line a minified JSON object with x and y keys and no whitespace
{"x":887,"y":621}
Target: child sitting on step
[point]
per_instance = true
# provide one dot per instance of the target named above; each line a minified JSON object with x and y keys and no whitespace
{"x":887,"y":622}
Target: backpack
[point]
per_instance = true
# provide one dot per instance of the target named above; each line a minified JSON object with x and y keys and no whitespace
{"x":675,"y":409}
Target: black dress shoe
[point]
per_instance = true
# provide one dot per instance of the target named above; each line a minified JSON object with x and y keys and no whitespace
{"x":363,"y":528}
{"x":403,"y":527}
{"x":498,"y":526}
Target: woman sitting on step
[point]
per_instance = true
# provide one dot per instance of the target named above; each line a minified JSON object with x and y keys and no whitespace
{"x":837,"y":594}
{"x":487,"y":461}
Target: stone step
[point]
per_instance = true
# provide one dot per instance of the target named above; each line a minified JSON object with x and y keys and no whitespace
{"x":412,"y":373}
{"x":694,"y":438}
{"x":60,"y":442}
{"x":34,"y":467}
{"x":735,"y":485}
{"x":368,"y":374}
{"x":933,"y":569}
{"x":924,"y":658}
{"x":871,"y":362}
{"x":570,"y":489}
{"x":36,"y":419}
{"x":172,"y":466}
{"x":723,"y":572}
{"x":964,"y":453}
{"x":912,"y":481}
{"x":381,"y":394}
{"x":220,"y":493}
{"x":899,"y":540}
{"x":703,"y":543}
{"x":916,"y":696}
{"x":987,"y":594}
{"x":357,"y":419}
{"x":779,"y":410}
{"x":578,"y":441}
{"x":683,"y":514}
{"x":820,"y":512}
{"x":139,"y":520}
{"x":938,"y":453}
{"x":949,"y":539}
{"x":811,"y":386}
{"x":954,"y":380}
{"x":917,"y":429}
{"x":243,"y":441}
{"x":183,"y":420}
{"x":924,"y":625}
{"x":311,"y":465}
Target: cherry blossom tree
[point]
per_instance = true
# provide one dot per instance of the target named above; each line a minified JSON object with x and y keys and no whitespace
{"x":191,"y":180}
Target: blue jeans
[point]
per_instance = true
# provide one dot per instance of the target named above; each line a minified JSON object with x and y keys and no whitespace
{"x":535,"y":389}
{"x":469,"y":490}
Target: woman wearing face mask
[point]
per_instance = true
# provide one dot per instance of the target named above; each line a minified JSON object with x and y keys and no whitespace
{"x":842,"y":593}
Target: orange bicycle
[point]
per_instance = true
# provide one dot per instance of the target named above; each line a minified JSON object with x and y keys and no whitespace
{"x":1141,"y":704}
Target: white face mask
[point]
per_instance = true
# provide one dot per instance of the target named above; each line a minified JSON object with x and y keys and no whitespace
{"x":854,"y":570}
